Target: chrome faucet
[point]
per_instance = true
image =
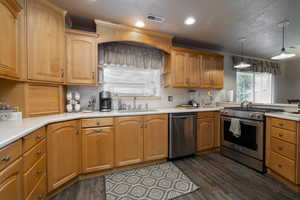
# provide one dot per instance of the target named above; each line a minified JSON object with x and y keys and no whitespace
{"x":246,"y":104}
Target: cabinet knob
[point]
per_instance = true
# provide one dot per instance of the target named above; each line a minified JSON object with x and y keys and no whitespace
{"x":39,"y":172}
{"x":98,"y":123}
{"x":280,"y":148}
{"x":38,"y":153}
{"x":5,"y":159}
{"x":280,"y":134}
{"x":93,"y":75}
{"x":280,"y":166}
{"x":38,"y":137}
{"x":280,"y":124}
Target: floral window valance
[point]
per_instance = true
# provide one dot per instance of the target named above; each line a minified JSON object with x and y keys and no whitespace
{"x":262,"y":66}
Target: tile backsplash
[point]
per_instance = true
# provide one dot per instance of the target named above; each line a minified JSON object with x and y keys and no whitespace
{"x":179,"y":96}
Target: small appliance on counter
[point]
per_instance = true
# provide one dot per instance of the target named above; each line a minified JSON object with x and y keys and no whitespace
{"x":105,"y":101}
{"x":192,"y":101}
{"x":73,"y":102}
{"x":8,"y":113}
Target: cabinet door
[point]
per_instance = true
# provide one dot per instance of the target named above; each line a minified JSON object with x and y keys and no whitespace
{"x":11,"y":182}
{"x":155,"y":137}
{"x":97,"y":149}
{"x":206,"y":71}
{"x":194,"y":62}
{"x":128,"y":140}
{"x":8,"y":38}
{"x":178,"y":68}
{"x":205,"y":134}
{"x":46,"y":41}
{"x":218,"y":73}
{"x":81,"y":60}
{"x":63,"y":153}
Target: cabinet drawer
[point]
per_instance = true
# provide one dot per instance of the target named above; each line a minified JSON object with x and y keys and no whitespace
{"x":33,"y":176}
{"x":39,"y":192}
{"x":288,"y":136}
{"x":205,"y":115}
{"x":10,"y":153}
{"x":34,"y":155}
{"x":34,"y":138}
{"x":94,"y":122}
{"x":285,"y":124}
{"x":282,"y":166}
{"x":283,"y":148}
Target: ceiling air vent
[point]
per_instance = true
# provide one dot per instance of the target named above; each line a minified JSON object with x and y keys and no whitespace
{"x":154,"y":18}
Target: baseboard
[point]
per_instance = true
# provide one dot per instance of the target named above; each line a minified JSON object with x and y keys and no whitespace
{"x":290,"y":184}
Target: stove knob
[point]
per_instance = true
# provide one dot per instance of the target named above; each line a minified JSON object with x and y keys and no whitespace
{"x":252,"y":115}
{"x":259,"y":116}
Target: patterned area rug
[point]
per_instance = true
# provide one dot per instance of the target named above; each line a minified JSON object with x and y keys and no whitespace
{"x":157,"y":182}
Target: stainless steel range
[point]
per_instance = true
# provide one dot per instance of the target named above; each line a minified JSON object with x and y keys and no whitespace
{"x":248,"y":148}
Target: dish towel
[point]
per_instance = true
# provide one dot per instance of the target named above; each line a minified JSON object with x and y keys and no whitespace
{"x":235,"y":128}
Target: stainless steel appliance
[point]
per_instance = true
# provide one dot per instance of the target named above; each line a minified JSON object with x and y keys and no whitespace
{"x":182,"y":134}
{"x":105,"y":101}
{"x":247,"y":149}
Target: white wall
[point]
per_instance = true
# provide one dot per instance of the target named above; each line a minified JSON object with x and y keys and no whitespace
{"x":288,"y":86}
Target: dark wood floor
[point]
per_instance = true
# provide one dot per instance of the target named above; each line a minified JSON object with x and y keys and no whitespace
{"x":218,"y":178}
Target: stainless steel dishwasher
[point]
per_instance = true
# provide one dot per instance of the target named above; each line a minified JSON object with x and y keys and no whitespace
{"x":182,"y":134}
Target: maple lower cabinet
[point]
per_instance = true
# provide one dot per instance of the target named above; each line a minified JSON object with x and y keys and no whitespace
{"x":11,"y":181}
{"x":155,"y":137}
{"x":97,"y":149}
{"x":63,"y":142}
{"x":208,"y":136}
{"x":128,"y":140}
{"x":81,"y":57}
{"x":46,"y":41}
{"x":9,"y":10}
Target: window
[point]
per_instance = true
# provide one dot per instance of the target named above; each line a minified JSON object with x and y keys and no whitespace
{"x":255,"y":87}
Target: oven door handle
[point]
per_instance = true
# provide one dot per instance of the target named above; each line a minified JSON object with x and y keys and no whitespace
{"x":244,"y":121}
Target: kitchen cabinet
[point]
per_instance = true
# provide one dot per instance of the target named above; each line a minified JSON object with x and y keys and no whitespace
{"x":63,"y":142}
{"x":97,"y":149}
{"x":9,"y":10}
{"x":81,"y":58}
{"x":208,"y":136}
{"x":155,"y":137}
{"x":11,"y":181}
{"x":46,"y":41}
{"x":194,"y":69}
{"x":282,"y":151}
{"x":212,"y":72}
{"x":128,"y":140}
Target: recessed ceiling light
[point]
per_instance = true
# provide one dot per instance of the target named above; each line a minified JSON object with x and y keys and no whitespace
{"x":140,"y":24}
{"x":189,"y":21}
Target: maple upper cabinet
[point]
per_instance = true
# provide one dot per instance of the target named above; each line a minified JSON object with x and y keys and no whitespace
{"x":9,"y":10}
{"x":212,"y":72}
{"x":187,"y":68}
{"x":155,"y":137}
{"x":128,"y":140}
{"x":81,"y":57}
{"x":46,"y":41}
{"x":97,"y":149}
{"x":63,"y":140}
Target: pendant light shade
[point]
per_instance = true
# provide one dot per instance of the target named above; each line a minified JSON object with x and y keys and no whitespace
{"x":283,"y":53}
{"x":242,"y":64}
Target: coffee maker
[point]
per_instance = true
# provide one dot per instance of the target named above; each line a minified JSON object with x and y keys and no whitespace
{"x":105,"y":103}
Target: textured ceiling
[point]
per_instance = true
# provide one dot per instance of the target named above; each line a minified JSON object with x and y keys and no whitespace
{"x":220,"y":23}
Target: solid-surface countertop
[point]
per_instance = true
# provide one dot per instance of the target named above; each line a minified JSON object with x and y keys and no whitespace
{"x":11,"y":131}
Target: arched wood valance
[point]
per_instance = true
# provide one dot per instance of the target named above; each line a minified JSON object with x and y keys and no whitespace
{"x":109,"y":32}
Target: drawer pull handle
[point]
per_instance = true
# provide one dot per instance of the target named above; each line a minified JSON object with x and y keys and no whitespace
{"x":280,"y":166}
{"x":38,"y":137}
{"x":98,"y":123}
{"x":280,"y":134}
{"x":280,"y":148}
{"x":40,"y":196}
{"x":39,"y":172}
{"x":280,"y":124}
{"x":38,"y":153}
{"x":5,"y":159}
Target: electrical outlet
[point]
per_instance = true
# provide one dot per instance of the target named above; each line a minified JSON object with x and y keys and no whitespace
{"x":170,"y":99}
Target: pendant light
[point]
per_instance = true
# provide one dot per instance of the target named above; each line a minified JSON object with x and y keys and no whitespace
{"x":242,"y":64}
{"x":283,"y":54}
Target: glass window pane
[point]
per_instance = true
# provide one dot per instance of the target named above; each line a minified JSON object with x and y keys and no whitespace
{"x":263,"y":88}
{"x":245,"y":86}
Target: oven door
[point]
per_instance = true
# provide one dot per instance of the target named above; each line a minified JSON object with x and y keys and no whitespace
{"x":251,"y":140}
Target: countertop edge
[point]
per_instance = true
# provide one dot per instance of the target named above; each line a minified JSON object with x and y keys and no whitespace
{"x":283,"y":116}
{"x":40,"y":122}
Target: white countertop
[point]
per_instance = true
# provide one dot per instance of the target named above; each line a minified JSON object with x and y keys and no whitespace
{"x":284,"y":115}
{"x":11,"y":131}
